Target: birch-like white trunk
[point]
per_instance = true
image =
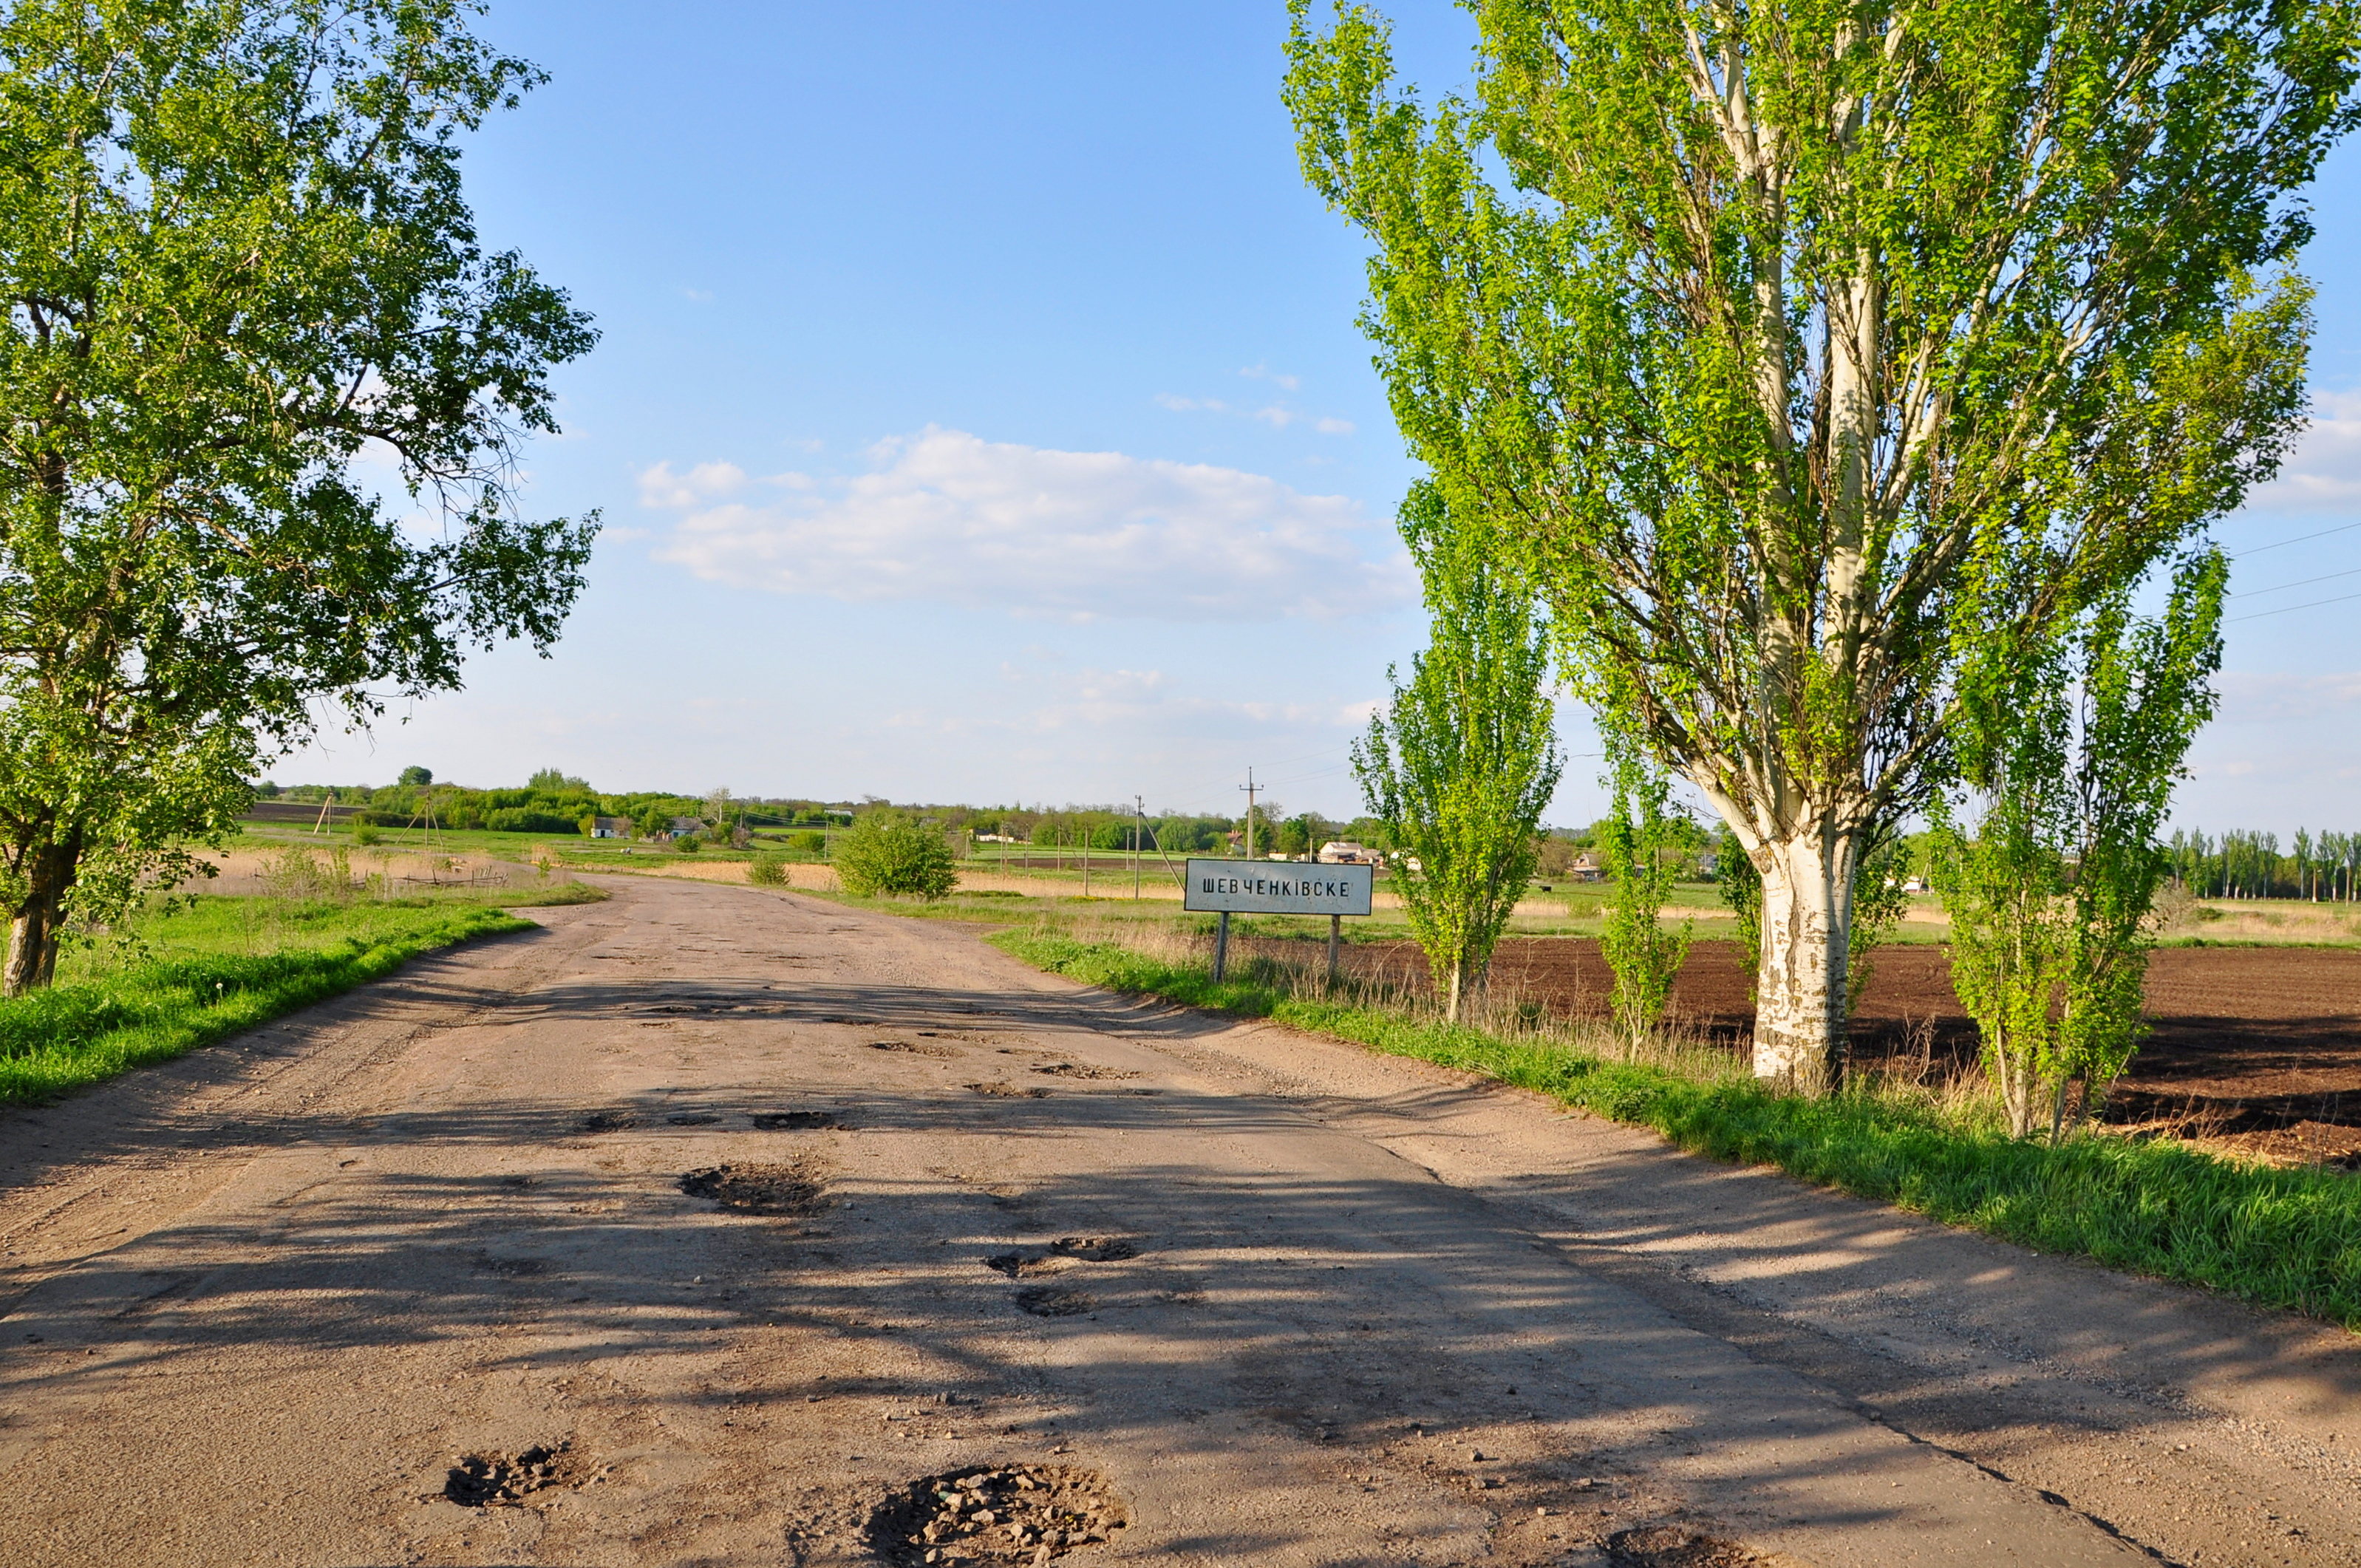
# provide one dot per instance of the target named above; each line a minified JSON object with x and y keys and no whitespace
{"x":1799,"y":1009}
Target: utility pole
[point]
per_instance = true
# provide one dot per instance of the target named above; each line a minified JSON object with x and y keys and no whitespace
{"x":1250,"y":787}
{"x":1138,"y":820}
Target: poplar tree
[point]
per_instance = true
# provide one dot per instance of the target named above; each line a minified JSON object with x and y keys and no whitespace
{"x":2073,"y":754}
{"x":1464,"y":761}
{"x":1801,"y":348}
{"x":1644,"y":956}
{"x":236,"y":261}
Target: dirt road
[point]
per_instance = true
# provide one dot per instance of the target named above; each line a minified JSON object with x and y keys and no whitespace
{"x":416,"y":1277}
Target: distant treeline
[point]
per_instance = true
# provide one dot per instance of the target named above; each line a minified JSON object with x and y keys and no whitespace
{"x":2249,"y":865}
{"x":550,"y":802}
{"x":553,"y":802}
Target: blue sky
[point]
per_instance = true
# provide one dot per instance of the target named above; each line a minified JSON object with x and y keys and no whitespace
{"x":903,"y":304}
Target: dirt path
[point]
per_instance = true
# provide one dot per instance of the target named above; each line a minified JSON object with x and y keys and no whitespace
{"x":1235,"y":1296}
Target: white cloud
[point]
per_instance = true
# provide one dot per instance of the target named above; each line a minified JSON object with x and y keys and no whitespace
{"x":2250,"y":696}
{"x":1278,"y":416}
{"x":2324,"y":472}
{"x":948,"y":517}
{"x":660,"y":486}
{"x":1264,"y":373}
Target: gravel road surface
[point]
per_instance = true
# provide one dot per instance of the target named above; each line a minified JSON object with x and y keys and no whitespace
{"x":721,"y":1227}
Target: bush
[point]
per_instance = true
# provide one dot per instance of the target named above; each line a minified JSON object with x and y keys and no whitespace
{"x":807,"y":843}
{"x":524,"y":819}
{"x":887,"y":852}
{"x":767,"y":871}
{"x":364,"y":835}
{"x":689,"y":843}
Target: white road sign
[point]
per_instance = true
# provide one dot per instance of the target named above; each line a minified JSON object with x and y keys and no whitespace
{"x":1278,"y":887}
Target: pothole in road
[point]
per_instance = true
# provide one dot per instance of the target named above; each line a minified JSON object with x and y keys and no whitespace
{"x":1020,"y":1265}
{"x":693,"y":1118}
{"x":495,"y":1480}
{"x":1000,"y":1090}
{"x":799,"y":1122}
{"x":1081,"y":1069}
{"x":1026,"y":1513}
{"x":1080,"y":1249}
{"x":608,"y":1122}
{"x":1045,"y":1301}
{"x":1095,"y":1249}
{"x":916,"y":1050}
{"x":1670,"y":1546}
{"x":757,"y":1188}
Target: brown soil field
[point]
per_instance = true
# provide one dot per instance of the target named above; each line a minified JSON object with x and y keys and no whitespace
{"x":2255,"y":1049}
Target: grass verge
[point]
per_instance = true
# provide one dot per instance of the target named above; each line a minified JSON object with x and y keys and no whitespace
{"x":2281,"y":1238}
{"x":92,"y":1027}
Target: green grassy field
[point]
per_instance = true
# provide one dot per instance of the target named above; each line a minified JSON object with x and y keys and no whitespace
{"x":2282,"y":1237}
{"x":1566,"y":909}
{"x":209,"y":968}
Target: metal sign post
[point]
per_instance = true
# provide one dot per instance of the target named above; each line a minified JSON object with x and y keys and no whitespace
{"x":1228,"y":888}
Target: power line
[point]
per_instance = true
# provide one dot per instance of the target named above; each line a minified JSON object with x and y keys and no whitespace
{"x":2299,"y":583}
{"x":2292,"y":608}
{"x":2340,"y":528}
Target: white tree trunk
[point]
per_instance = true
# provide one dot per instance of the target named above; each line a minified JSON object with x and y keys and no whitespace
{"x":1800,"y":1010}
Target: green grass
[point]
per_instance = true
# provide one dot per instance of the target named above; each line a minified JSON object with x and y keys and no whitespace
{"x":206,"y":973}
{"x":2281,"y":1238}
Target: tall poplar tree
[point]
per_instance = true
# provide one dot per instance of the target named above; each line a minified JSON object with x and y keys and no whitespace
{"x":1464,"y":761}
{"x":235,"y":260}
{"x":1808,"y":350}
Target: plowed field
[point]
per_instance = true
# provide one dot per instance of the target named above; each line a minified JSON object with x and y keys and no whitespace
{"x":2259,"y":1048}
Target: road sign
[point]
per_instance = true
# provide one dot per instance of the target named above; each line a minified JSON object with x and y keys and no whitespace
{"x":1276,"y":887}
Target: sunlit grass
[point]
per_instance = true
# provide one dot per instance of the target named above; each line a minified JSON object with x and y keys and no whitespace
{"x":203,"y":970}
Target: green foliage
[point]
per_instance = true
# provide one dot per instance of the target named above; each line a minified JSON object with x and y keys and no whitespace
{"x":1463,"y":762}
{"x":2286,"y":1238}
{"x":415,"y":776}
{"x":895,"y":854}
{"x":1636,"y":842}
{"x":1808,"y":353}
{"x":65,"y":1037}
{"x":767,"y":871}
{"x":1741,"y":889}
{"x":236,"y":254}
{"x":807,"y":843}
{"x":2074,"y":756}
{"x":528,"y":819}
